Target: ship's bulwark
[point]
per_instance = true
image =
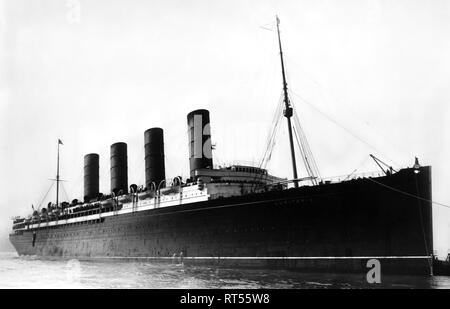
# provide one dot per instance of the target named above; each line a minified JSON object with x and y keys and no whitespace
{"x":302,"y":228}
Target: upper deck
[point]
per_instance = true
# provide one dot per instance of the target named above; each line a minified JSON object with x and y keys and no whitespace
{"x":210,"y":185}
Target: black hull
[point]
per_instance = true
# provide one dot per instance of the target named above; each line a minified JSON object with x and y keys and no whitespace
{"x":333,"y":227}
{"x":441,"y":268}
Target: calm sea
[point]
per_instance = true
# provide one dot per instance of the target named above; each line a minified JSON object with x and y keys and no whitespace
{"x":33,"y":272}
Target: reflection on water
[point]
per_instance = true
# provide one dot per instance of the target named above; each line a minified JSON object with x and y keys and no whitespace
{"x":33,"y":272}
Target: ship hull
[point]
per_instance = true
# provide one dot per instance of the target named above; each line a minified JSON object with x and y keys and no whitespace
{"x":332,"y":227}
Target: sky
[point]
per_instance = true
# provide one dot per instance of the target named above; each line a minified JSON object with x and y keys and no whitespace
{"x":366,"y":76}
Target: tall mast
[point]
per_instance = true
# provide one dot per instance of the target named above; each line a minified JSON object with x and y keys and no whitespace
{"x":57,"y":175}
{"x":288,"y":109}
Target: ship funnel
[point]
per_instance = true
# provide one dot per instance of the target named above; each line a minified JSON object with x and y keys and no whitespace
{"x":199,"y":132}
{"x":91,"y":176}
{"x":119,"y":168}
{"x":155,"y":171}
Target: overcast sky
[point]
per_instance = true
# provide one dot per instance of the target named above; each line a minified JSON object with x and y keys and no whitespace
{"x":101,"y":71}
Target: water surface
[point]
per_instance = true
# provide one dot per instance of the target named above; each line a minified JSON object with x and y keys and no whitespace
{"x":35,"y":272}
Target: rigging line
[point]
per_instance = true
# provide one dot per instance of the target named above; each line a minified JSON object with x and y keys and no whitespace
{"x":271,"y":138}
{"x":409,"y":194}
{"x":326,"y":91}
{"x":306,"y":147}
{"x":308,"y":158}
{"x":304,"y":157}
{"x":357,"y":167}
{"x":342,"y":127}
{"x":302,"y":152}
{"x":275,"y":132}
{"x":338,"y":100}
{"x":65,"y":192}
{"x":40,"y":204}
{"x":305,"y":144}
{"x":421,"y":223}
{"x":349,"y":175}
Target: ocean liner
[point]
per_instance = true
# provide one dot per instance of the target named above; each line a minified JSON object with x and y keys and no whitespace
{"x":239,"y":215}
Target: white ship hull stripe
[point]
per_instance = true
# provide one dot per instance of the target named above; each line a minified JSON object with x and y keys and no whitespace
{"x":257,"y":257}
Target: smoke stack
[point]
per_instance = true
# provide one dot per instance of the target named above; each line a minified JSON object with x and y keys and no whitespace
{"x":91,"y":176}
{"x":199,"y":131}
{"x":119,"y":168}
{"x":154,"y":156}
